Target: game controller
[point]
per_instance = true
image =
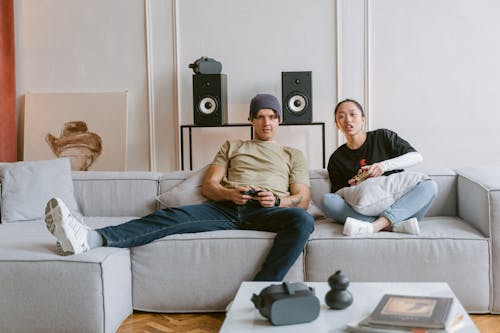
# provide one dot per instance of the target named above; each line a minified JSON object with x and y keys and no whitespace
{"x":360,"y":177}
{"x":251,"y":192}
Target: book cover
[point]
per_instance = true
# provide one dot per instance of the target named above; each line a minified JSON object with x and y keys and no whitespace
{"x":411,"y":311}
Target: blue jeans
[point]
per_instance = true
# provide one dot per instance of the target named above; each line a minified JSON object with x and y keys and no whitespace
{"x":291,"y":225}
{"x":415,"y":203}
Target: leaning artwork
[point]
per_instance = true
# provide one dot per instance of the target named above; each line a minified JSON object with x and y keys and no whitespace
{"x":78,"y":144}
{"x":88,"y":128}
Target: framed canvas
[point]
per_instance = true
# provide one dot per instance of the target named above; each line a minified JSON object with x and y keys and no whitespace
{"x":89,"y":128}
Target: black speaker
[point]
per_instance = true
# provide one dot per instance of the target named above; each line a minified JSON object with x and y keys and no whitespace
{"x":210,"y":99}
{"x":296,"y":92}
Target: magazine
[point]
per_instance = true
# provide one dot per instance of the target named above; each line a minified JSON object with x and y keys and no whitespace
{"x":403,"y":313}
{"x":412,"y":311}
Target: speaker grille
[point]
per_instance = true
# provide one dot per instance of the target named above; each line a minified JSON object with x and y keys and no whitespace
{"x":297,"y":103}
{"x":208,"y":105}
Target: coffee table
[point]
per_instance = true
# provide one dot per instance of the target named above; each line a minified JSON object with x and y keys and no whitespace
{"x":243,"y":317}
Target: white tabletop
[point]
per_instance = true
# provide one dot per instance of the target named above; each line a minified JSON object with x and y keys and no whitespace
{"x":244,"y":317}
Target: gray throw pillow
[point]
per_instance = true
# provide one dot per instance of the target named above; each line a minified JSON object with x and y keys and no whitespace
{"x":187,"y":192}
{"x":377,"y":194}
{"x":27,"y":186}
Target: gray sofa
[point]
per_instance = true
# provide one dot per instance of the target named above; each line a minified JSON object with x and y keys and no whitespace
{"x":95,"y":291}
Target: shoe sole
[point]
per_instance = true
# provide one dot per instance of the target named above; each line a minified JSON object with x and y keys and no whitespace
{"x":60,"y":250}
{"x":53,"y":216}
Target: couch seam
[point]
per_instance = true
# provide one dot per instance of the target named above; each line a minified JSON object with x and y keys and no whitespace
{"x":340,"y":238}
{"x":158,"y":188}
{"x":163,"y":239}
{"x":119,"y":251}
{"x":490,"y":245}
{"x":113,"y":179}
{"x":304,"y":250}
{"x":103,"y":298}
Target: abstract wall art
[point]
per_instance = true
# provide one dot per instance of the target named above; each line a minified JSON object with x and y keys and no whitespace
{"x":88,"y":128}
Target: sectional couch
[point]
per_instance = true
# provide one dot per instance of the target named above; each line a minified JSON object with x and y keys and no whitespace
{"x":95,"y":291}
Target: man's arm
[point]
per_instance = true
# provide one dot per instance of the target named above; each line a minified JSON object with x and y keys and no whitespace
{"x":212,"y":189}
{"x":300,"y":195}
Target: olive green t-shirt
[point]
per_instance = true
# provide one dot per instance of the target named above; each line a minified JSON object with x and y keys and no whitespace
{"x":266,"y":165}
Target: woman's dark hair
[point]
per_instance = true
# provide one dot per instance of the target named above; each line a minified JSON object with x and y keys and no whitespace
{"x":352,"y":101}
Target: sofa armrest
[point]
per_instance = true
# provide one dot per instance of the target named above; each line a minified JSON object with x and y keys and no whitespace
{"x":479,"y":198}
{"x":479,"y":204}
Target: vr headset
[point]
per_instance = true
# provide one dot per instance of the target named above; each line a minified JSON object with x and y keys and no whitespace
{"x":288,"y":303}
{"x":206,"y":65}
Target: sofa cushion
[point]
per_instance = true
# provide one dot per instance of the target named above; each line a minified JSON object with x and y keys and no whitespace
{"x":199,"y":271}
{"x":27,"y":186}
{"x":375,"y":195}
{"x":447,"y":249}
{"x":187,"y":192}
{"x":44,"y":292}
{"x":114,"y":193}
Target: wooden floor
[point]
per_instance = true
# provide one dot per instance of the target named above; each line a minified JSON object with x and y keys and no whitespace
{"x":142,"y":322}
{"x":487,"y":323}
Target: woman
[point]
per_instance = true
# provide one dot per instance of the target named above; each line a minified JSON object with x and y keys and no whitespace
{"x":373,"y":154}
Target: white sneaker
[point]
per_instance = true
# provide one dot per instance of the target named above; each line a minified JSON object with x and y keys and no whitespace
{"x":353,"y":227}
{"x":407,"y":227}
{"x":71,"y":234}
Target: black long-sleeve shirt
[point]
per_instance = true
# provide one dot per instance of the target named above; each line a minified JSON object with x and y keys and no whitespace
{"x":380,"y":145}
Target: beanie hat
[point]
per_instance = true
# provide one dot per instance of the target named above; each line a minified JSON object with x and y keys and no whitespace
{"x":264,"y":101}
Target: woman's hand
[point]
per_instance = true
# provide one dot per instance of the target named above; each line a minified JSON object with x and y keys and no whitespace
{"x":373,"y":170}
{"x":365,"y":172}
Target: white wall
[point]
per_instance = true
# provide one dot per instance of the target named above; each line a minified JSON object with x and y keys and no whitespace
{"x":255,"y":41}
{"x":427,"y":69}
{"x":435,"y":77}
{"x":86,"y":46}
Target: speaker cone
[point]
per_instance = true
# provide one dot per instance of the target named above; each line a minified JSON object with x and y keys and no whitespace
{"x":297,"y":103}
{"x":207,"y":105}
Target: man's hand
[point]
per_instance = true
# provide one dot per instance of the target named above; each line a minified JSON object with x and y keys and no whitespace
{"x":266,"y":199}
{"x":238,"y":195}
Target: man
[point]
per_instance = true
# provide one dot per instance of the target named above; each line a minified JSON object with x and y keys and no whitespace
{"x":254,"y":185}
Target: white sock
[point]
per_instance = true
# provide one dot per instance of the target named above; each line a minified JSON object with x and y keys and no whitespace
{"x":94,"y":239}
